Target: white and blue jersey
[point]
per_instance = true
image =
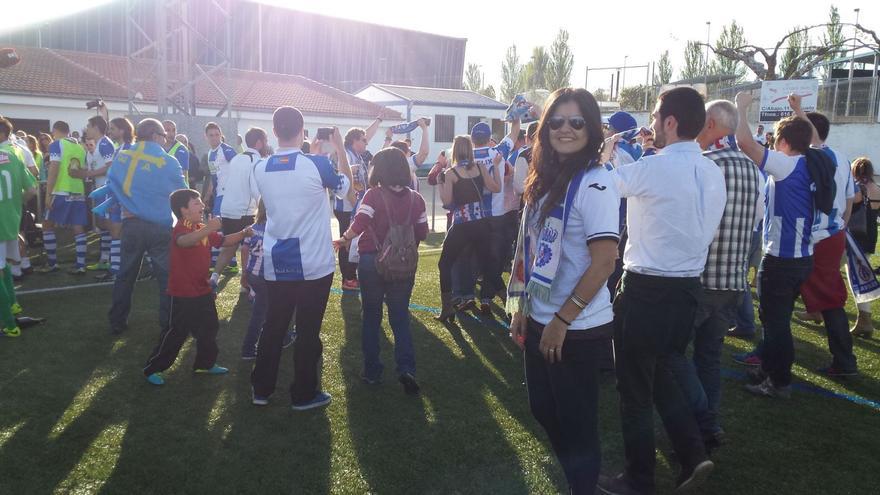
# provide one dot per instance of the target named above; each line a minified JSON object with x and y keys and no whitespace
{"x":218,"y":166}
{"x":824,"y":225}
{"x":105,"y":151}
{"x":297,"y":243}
{"x":359,"y":175}
{"x":789,"y":212}
{"x":493,"y":203}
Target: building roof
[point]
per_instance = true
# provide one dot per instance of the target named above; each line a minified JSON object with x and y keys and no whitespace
{"x":711,"y":79}
{"x":69,"y":74}
{"x":440,"y":97}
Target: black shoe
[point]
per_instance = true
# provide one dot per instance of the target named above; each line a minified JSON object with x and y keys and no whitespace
{"x":410,"y":387}
{"x":694,"y":477}
{"x":756,"y":375}
{"x":617,"y":485}
{"x":106,"y":277}
{"x":27,"y":321}
{"x":713,"y":441}
{"x":371,"y":381}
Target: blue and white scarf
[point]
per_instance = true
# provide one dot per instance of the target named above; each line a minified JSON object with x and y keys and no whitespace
{"x":862,"y":281}
{"x":537,"y":255}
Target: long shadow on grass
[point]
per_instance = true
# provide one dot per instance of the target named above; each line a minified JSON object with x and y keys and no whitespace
{"x":446,"y":440}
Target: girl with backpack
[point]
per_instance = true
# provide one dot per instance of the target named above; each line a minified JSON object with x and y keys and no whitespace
{"x":391,"y":221}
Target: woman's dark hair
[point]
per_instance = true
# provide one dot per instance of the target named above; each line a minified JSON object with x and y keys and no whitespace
{"x":549,"y":175}
{"x":796,"y":131}
{"x":127,"y":128}
{"x":863,"y":170}
{"x":390,"y":168}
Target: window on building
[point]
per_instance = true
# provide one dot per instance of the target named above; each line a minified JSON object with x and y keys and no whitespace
{"x":444,"y":128}
{"x":472,"y":121}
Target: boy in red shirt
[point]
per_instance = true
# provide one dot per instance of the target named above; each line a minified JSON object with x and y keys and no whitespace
{"x":192,"y":300}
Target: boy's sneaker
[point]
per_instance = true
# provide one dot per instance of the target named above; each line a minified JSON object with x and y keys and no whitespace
{"x":321,"y":399}
{"x":249,"y":355}
{"x":81,"y":270}
{"x":47,"y":269}
{"x":156,"y":379}
{"x":11,"y":332}
{"x":231,"y":270}
{"x":410,"y":386}
{"x":767,"y":389}
{"x":101,"y":265}
{"x":258,"y":400}
{"x":16,"y":309}
{"x":214,"y":370}
{"x":747,"y":359}
{"x":107,"y":277}
{"x":289,"y":339}
{"x":756,"y":375}
{"x":834,"y":371}
{"x":695,"y":477}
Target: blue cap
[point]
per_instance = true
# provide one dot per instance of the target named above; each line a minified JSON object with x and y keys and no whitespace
{"x":481,"y":131}
{"x":622,"y":121}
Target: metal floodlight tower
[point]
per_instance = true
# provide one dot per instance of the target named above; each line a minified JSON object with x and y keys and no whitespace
{"x":174,"y":44}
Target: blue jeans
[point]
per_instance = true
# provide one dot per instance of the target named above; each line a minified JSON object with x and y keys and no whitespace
{"x":141,"y":237}
{"x":700,"y":378}
{"x":396,"y":295}
{"x":258,"y":314}
{"x":745,"y":312}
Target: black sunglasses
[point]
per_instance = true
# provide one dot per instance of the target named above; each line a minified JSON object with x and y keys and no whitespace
{"x":577,"y":123}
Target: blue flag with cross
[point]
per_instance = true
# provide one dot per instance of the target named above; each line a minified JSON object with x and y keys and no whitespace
{"x":141,"y":179}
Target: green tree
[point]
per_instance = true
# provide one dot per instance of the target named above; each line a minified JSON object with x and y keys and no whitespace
{"x":664,"y":70}
{"x":833,"y":37}
{"x":561,"y":62}
{"x":600,"y":94}
{"x":488,"y":91}
{"x":473,"y":78}
{"x":731,"y":37}
{"x":793,"y":61}
{"x":512,"y":81}
{"x":536,"y":69}
{"x":693,"y":60}
{"x":633,"y":98}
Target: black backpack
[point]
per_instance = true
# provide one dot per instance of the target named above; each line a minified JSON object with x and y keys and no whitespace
{"x":398,"y":255}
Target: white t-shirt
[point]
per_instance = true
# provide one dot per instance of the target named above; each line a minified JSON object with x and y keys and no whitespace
{"x":675,"y":201}
{"x":218,"y":161}
{"x":297,"y":244}
{"x":237,"y":198}
{"x":595,"y":215}
{"x":104,"y":152}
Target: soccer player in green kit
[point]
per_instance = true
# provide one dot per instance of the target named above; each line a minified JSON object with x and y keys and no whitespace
{"x":16,"y":186}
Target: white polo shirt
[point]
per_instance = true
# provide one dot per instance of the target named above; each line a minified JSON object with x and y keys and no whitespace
{"x":595,"y":215}
{"x":297,"y":244}
{"x":237,"y":198}
{"x":675,"y":200}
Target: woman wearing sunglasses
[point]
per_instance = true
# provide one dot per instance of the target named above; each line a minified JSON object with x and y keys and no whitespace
{"x":462,"y":187}
{"x":566,"y":248}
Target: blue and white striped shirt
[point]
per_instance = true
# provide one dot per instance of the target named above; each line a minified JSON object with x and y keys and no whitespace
{"x":789,"y":212}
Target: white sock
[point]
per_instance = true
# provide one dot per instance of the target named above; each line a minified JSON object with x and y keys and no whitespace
{"x":25,"y":262}
{"x":866,"y":307}
{"x":215,"y":277}
{"x":16,"y":270}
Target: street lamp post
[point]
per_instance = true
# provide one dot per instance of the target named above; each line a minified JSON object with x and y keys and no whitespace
{"x":706,"y":64}
{"x":623,"y":76}
{"x":852,"y":60}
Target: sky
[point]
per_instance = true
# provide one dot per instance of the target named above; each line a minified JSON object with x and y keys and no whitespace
{"x":602,"y":34}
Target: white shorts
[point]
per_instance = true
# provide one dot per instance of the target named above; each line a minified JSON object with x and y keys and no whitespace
{"x":9,"y":250}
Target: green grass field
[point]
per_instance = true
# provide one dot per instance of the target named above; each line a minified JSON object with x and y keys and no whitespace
{"x":76,"y":415}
